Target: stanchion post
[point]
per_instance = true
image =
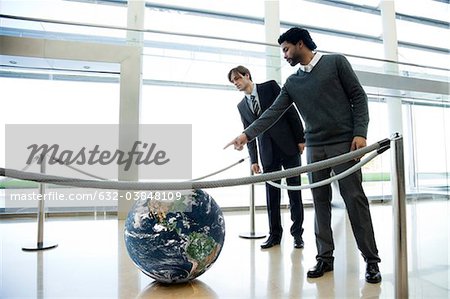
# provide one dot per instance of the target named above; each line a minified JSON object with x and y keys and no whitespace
{"x":252,"y":208}
{"x":41,"y":208}
{"x":252,"y":234}
{"x":41,"y":215}
{"x":399,"y":218}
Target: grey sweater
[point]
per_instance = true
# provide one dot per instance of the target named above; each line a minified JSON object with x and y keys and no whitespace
{"x":330,"y":100}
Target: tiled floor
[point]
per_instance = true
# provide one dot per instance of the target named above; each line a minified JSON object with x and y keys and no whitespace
{"x":91,"y":261}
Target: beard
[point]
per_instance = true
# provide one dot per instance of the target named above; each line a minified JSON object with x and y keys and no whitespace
{"x":294,"y":60}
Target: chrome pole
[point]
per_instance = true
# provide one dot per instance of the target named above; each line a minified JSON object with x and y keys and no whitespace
{"x":252,"y":234}
{"x":399,"y":218}
{"x":252,"y":208}
{"x":41,"y":215}
{"x":41,"y":208}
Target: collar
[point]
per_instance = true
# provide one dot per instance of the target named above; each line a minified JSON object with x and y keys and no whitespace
{"x":254,"y":92}
{"x":308,"y":67}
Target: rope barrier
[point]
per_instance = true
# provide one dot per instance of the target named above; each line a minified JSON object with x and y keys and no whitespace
{"x":104,"y":179}
{"x":329,"y":180}
{"x":185,"y":185}
{"x":7,"y":179}
{"x":221,"y":170}
{"x":197,"y":179}
{"x":79,"y":170}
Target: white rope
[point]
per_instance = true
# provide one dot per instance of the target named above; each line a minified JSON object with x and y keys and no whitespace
{"x":23,"y":169}
{"x":79,"y":170}
{"x":329,"y":180}
{"x":221,"y":170}
{"x":127,"y":185}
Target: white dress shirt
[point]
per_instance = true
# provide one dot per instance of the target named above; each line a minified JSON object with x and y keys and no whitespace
{"x":249,"y":98}
{"x":308,"y":67}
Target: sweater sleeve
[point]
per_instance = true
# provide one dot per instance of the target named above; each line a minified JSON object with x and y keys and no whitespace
{"x":270,"y":116}
{"x":296,"y":124}
{"x":356,"y":95}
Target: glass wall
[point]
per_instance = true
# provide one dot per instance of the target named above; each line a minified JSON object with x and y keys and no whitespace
{"x":187,"y":52}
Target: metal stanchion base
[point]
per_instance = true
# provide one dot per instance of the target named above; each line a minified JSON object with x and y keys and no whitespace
{"x":250,"y":235}
{"x":38,"y":247}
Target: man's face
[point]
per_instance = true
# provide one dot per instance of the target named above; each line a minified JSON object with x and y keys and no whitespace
{"x":291,"y":52}
{"x":241,"y":82}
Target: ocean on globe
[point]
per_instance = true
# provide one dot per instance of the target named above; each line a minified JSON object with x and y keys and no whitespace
{"x":175,"y":240}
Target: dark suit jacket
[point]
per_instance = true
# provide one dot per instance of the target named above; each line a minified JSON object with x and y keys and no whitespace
{"x":286,"y":133}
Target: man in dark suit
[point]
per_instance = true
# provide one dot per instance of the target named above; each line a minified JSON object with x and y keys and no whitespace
{"x":280,"y":146}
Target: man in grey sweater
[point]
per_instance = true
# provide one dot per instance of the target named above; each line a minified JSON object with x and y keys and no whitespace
{"x":334,"y":108}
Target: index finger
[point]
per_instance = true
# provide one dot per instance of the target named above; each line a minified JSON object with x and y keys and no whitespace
{"x":231,"y":143}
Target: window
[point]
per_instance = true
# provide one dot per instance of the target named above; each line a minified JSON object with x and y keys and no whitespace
{"x":188,"y":49}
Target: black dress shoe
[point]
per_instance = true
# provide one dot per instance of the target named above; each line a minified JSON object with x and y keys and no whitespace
{"x":373,"y":274}
{"x":298,"y":242}
{"x":319,"y":269}
{"x":270,"y":242}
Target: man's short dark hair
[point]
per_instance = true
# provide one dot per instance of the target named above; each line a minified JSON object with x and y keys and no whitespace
{"x":296,"y":34}
{"x":240,"y":70}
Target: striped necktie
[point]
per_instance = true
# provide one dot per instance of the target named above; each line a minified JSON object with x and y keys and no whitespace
{"x":255,"y":105}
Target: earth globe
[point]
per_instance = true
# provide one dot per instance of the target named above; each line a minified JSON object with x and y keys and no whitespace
{"x":174,"y":239}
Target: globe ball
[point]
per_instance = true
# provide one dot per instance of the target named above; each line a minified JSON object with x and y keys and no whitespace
{"x":174,"y":239}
